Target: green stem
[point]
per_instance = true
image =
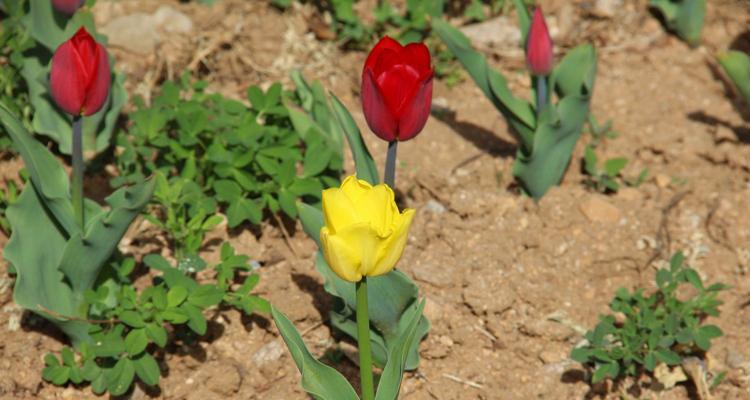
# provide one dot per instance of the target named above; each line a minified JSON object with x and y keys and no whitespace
{"x":78,"y":168}
{"x":389,"y":177}
{"x":541,"y":93}
{"x":363,"y":339}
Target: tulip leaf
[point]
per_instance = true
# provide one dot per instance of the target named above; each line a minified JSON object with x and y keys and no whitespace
{"x":39,"y":284}
{"x":518,"y":113}
{"x":393,"y":372}
{"x":685,"y":18}
{"x":318,"y":379}
{"x":737,"y":66}
{"x":318,"y":113}
{"x":46,"y":173}
{"x":85,"y":255}
{"x":524,"y":20}
{"x":365,"y":165}
{"x":312,"y":221}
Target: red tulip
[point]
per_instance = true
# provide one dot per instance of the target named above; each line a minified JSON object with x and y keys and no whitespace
{"x":67,"y":6}
{"x":397,"y":89}
{"x":80,"y":77}
{"x":539,"y":56}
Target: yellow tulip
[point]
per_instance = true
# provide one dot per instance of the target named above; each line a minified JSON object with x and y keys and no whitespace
{"x":364,"y":233}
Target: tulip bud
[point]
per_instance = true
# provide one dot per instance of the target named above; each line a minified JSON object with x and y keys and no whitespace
{"x":364,"y":233}
{"x":397,"y":89}
{"x":79,"y":75}
{"x":67,"y":6}
{"x":539,"y":55}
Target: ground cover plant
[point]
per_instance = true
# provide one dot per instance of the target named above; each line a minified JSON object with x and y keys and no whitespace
{"x":660,"y":328}
{"x":191,"y":207}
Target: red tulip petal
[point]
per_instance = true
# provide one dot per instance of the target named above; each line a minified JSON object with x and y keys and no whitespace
{"x":539,"y":54}
{"x":97,"y":93}
{"x":418,"y":56}
{"x":67,"y":84}
{"x":386,"y":43}
{"x":416,"y":110}
{"x":379,"y":118}
{"x":397,"y":84}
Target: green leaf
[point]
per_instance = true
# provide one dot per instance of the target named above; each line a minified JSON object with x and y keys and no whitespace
{"x":46,"y":173}
{"x":58,"y":375}
{"x":663,"y":277}
{"x":147,"y":369}
{"x":157,"y":333}
{"x":120,"y":377}
{"x":605,"y":371}
{"x":580,"y":354}
{"x":518,"y":113}
{"x":390,"y":380}
{"x":524,"y":20}
{"x":613,"y":166}
{"x":667,"y":356}
{"x":175,"y":316}
{"x":136,"y":341}
{"x":85,"y":255}
{"x":737,"y":65}
{"x":363,"y":161}
{"x":312,"y":221}
{"x":176,"y":296}
{"x":318,"y":379}
{"x":590,"y":161}
{"x":196,"y":322}
{"x":205,"y":296}
{"x":685,"y":17}
{"x":132,"y":318}
{"x":68,"y":357}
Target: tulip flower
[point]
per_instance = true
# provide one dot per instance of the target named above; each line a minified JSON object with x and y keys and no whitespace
{"x":67,"y":6}
{"x":397,"y":89}
{"x":364,"y":233}
{"x":539,"y":55}
{"x":79,"y":75}
{"x":79,"y":81}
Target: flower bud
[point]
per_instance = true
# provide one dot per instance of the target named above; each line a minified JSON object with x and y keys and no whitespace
{"x":539,"y":55}
{"x":397,"y":89}
{"x":67,"y":6}
{"x":79,"y":75}
{"x":364,"y":233}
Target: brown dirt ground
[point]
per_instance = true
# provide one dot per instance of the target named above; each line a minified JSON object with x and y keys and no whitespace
{"x":499,"y":272}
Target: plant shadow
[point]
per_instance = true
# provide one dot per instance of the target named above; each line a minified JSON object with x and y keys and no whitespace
{"x":741,"y":132}
{"x":482,"y":138}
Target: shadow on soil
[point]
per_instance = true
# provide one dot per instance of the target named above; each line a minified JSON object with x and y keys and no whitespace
{"x":482,"y":138}
{"x":742,"y":132}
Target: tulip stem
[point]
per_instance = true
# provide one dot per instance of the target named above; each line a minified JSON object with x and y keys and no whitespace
{"x":363,"y":339}
{"x":78,"y":168}
{"x":389,"y":177}
{"x":541,"y":93}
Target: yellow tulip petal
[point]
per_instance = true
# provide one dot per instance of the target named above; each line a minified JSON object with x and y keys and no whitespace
{"x":343,"y":259}
{"x":355,"y":188}
{"x":338,"y":210}
{"x":391,"y":249}
{"x":376,"y":206}
{"x":361,"y":238}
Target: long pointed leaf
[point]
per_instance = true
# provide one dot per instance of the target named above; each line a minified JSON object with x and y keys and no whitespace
{"x":366,"y":168}
{"x":45,"y":171}
{"x":518,"y":113}
{"x":390,"y":381}
{"x":318,"y":379}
